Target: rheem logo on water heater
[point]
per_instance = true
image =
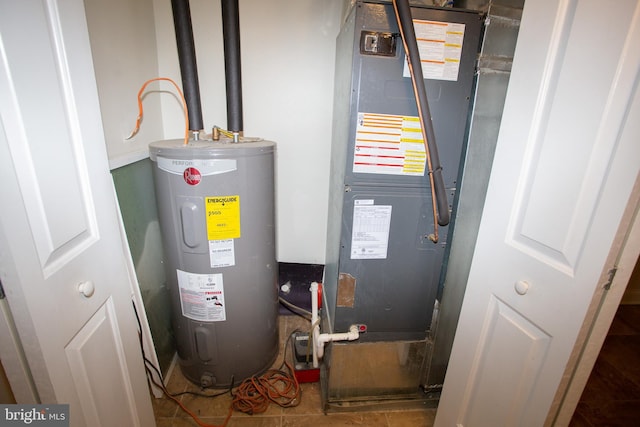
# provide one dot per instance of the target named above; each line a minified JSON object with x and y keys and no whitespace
{"x":192,"y":176}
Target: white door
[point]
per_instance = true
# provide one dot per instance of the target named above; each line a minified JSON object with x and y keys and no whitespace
{"x":59,"y":226}
{"x":567,"y":158}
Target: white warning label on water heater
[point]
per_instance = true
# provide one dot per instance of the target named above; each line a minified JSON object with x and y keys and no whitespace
{"x":222,"y":253}
{"x":370,"y":235}
{"x":202,"y":296}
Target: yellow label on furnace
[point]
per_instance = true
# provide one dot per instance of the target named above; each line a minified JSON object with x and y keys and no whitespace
{"x":223,"y":217}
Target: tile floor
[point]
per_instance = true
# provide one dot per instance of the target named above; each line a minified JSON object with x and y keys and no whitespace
{"x":611,"y":397}
{"x":308,"y":413}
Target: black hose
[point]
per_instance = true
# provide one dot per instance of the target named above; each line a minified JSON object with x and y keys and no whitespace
{"x":405,"y":21}
{"x":188,"y":65}
{"x":232,"y":67}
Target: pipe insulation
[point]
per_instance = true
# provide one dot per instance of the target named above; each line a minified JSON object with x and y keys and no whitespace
{"x":405,"y":22}
{"x":232,"y":66}
{"x":188,"y":64}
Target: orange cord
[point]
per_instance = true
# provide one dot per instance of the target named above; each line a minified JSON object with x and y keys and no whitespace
{"x":254,"y":394}
{"x":195,"y":417}
{"x":184,"y":107}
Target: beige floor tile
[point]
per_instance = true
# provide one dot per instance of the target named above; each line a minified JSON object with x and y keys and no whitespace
{"x":206,"y":407}
{"x":177,"y":381}
{"x":421,"y":418}
{"x":164,"y":422}
{"x":188,"y":422}
{"x":234,"y":421}
{"x":372,"y":419}
{"x":163,"y":407}
{"x":255,"y":421}
{"x":310,"y":402}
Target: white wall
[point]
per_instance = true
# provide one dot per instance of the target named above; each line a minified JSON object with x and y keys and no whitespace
{"x":123,"y":46}
{"x":288,"y":50}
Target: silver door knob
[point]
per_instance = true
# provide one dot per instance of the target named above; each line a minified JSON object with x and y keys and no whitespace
{"x":521,"y":287}
{"x":86,"y":288}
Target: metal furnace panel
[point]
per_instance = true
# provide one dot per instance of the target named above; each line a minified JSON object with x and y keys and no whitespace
{"x":383,"y":94}
{"x":389,"y":270}
{"x":392,"y":369}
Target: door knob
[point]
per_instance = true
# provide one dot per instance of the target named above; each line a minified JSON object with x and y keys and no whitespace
{"x":86,"y":288}
{"x":521,"y":287}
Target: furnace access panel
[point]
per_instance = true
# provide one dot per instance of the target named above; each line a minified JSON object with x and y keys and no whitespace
{"x":381,"y":270}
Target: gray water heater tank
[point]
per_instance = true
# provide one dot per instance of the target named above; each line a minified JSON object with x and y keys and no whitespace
{"x":217,"y":216}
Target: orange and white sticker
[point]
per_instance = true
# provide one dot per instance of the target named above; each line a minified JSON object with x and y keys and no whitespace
{"x":440,"y":47}
{"x":389,"y":144}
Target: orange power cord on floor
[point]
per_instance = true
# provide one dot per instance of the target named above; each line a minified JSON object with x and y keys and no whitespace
{"x":253,"y":395}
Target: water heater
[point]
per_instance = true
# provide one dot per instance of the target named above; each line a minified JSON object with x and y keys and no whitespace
{"x":217,"y":217}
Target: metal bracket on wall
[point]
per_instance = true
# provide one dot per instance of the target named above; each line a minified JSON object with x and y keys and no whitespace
{"x":612,"y":273}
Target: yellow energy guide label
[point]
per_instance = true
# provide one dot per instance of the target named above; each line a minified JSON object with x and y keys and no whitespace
{"x":223,"y":217}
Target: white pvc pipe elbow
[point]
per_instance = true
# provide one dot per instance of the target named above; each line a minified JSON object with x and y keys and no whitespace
{"x":319,"y":340}
{"x":315,"y":324}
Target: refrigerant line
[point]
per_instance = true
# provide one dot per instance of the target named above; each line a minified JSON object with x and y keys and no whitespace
{"x":443,"y":218}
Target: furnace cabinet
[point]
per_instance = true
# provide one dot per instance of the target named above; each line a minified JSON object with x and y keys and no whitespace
{"x":381,"y":269}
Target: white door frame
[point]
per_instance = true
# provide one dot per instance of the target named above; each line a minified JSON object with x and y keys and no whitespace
{"x":136,"y":297}
{"x":623,"y":257}
{"x":14,"y":360}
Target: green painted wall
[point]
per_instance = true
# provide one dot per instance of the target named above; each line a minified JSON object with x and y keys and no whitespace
{"x":134,"y":187}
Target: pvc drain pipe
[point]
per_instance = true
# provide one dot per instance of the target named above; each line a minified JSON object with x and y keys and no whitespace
{"x":319,"y":340}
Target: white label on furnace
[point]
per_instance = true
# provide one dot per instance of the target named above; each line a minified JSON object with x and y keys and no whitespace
{"x":370,"y":235}
{"x":222,"y":253}
{"x":202,"y":296}
{"x":440,"y":48}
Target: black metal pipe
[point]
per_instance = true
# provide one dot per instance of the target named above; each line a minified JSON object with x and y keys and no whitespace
{"x":188,"y":65}
{"x":232,"y":67}
{"x":405,"y":21}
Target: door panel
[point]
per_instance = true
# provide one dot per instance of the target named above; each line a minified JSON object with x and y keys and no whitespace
{"x":510,"y":355}
{"x":98,"y":344}
{"x":560,"y":133}
{"x":565,"y":163}
{"x":59,"y":221}
{"x":44,"y":141}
